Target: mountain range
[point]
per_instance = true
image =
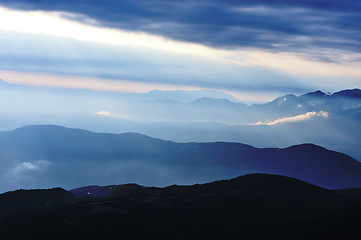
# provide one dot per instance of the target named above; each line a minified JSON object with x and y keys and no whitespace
{"x":43,"y":156}
{"x":329,"y":120}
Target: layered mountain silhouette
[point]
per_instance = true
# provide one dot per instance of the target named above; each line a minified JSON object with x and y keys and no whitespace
{"x":170,"y":106}
{"x":44,"y":155}
{"x":256,"y":206}
{"x":313,"y":101}
{"x":325,"y":119}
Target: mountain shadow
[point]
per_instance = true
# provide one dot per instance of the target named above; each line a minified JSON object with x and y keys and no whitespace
{"x":34,"y":200}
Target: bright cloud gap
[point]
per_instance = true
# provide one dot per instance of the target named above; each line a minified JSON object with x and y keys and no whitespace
{"x":54,"y":24}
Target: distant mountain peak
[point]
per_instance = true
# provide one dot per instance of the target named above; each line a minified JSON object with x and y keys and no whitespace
{"x":317,"y":93}
{"x":352,"y":93}
{"x":188,"y":96}
{"x":284,"y":98}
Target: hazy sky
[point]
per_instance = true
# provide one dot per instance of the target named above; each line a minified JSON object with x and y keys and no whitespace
{"x":255,"y":49}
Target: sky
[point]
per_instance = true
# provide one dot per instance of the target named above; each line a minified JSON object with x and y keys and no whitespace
{"x":255,"y":50}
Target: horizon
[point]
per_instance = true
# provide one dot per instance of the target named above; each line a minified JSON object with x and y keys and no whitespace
{"x":200,"y":90}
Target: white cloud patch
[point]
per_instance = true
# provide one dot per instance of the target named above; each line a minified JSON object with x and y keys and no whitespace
{"x":22,"y":169}
{"x":103,"y":113}
{"x":298,"y":118}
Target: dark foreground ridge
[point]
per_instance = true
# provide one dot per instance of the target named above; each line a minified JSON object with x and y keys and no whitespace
{"x":255,"y":206}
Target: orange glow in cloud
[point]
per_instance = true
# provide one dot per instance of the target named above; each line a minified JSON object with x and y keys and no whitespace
{"x":80,"y":82}
{"x":124,"y":86}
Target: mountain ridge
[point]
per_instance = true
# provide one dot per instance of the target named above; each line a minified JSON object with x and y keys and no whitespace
{"x":253,"y":206}
{"x":191,"y":95}
{"x":36,"y":152}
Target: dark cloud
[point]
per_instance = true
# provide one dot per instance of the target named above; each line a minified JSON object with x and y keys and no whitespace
{"x":279,"y":25}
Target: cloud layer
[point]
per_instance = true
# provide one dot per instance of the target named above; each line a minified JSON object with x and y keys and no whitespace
{"x":235,"y":46}
{"x":278,"y":25}
{"x":24,"y":169}
{"x":298,"y":118}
